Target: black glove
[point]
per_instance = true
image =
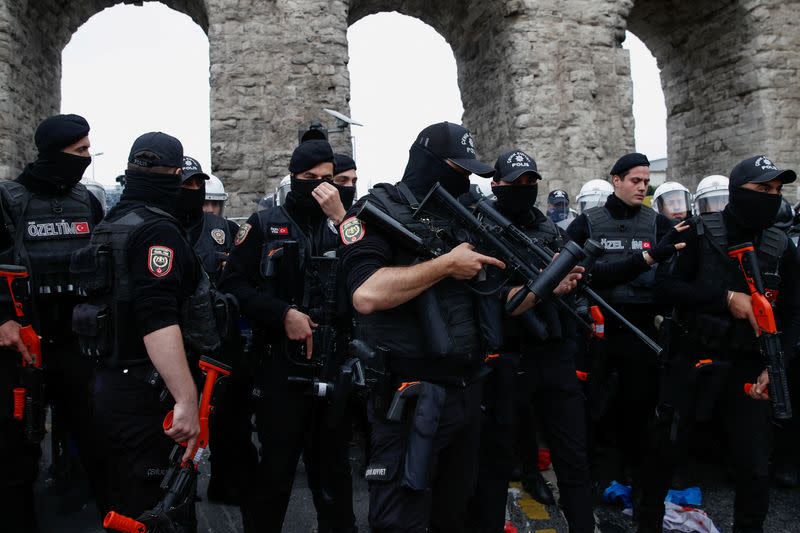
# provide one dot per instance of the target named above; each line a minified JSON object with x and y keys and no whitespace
{"x":665,"y":248}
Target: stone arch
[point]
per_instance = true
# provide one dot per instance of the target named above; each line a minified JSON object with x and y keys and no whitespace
{"x":730,"y":77}
{"x":32,"y":36}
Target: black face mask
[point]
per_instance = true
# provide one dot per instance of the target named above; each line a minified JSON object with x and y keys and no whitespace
{"x":425,"y":168}
{"x":299,"y":198}
{"x":60,"y":168}
{"x":515,"y":200}
{"x":149,"y":188}
{"x":752,"y":209}
{"x":346,"y":194}
{"x":189,"y":207}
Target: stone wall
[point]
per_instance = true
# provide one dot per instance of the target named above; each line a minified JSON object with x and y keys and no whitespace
{"x":547,"y":76}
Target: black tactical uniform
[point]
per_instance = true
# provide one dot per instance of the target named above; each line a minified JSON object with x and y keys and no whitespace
{"x":624,"y":279}
{"x":422,"y":469}
{"x":212,"y":238}
{"x":535,"y":367}
{"x":285,"y":257}
{"x":143,"y":277}
{"x":46,"y":215}
{"x":699,"y":286}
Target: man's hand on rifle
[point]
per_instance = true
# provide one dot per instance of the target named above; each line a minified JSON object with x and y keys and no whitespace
{"x":570,"y":281}
{"x":10,"y":338}
{"x":185,"y":426}
{"x":463,"y":262}
{"x":760,"y":390}
{"x":741,"y":306}
{"x":299,"y":327}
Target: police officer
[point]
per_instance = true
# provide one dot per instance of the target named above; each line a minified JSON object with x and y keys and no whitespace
{"x":558,"y":208}
{"x":46,"y":215}
{"x":211,"y":235}
{"x":673,"y":200}
{"x":545,"y":378}
{"x":150,"y":310}
{"x":635,"y":238}
{"x":283,"y":273}
{"x":215,"y":197}
{"x":717,"y":322}
{"x":386,"y":284}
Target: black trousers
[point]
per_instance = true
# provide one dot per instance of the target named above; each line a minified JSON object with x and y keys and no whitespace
{"x":19,"y":460}
{"x":128,"y":417}
{"x":234,"y":457}
{"x":290,"y":420}
{"x":453,"y":468}
{"x":636,"y":368}
{"x":547,"y":382}
{"x":748,"y":433}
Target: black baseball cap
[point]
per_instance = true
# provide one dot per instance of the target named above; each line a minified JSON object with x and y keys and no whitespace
{"x":558,"y":196}
{"x":156,"y":149}
{"x":454,"y":143}
{"x":191,"y":167}
{"x":511,"y":165}
{"x":627,"y":162}
{"x":758,"y":169}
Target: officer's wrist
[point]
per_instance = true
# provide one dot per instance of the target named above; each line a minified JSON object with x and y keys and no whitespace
{"x":648,"y":258}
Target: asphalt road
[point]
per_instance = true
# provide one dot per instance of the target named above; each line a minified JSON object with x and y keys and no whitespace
{"x":71,"y":512}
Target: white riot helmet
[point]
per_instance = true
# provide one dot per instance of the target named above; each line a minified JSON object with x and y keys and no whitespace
{"x":593,"y":193}
{"x":215,"y":190}
{"x":97,"y":190}
{"x":282,"y":190}
{"x":673,"y":200}
{"x":711,"y":195}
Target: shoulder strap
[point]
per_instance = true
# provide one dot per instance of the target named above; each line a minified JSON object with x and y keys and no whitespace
{"x":712,"y":227}
{"x":597,"y":216}
{"x":773,"y":242}
{"x":408,"y":195}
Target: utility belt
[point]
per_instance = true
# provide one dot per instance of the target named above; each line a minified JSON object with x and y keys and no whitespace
{"x":449,"y":371}
{"x":144,"y":373}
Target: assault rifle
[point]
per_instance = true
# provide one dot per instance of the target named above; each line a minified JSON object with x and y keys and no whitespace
{"x":769,"y":340}
{"x":179,"y":483}
{"x":29,"y":395}
{"x":496,"y":223}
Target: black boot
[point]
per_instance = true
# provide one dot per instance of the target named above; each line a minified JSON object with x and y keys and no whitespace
{"x":535,"y":485}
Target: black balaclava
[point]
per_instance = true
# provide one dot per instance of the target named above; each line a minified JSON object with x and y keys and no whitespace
{"x":346,"y":194}
{"x":150,"y":188}
{"x":189,"y":207}
{"x":299,"y":201}
{"x":516,"y":201}
{"x":753,"y":210}
{"x":52,"y":166}
{"x":425,"y":168}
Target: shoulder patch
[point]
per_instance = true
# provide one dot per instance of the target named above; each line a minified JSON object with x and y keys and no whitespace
{"x":351,"y":230}
{"x":159,"y":261}
{"x":218,"y":235}
{"x":241,"y":235}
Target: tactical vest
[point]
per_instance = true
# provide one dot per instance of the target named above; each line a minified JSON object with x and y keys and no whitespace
{"x":105,"y":325}
{"x":213,"y":244}
{"x":622,"y":239}
{"x":304,"y":273}
{"x":719,"y":334}
{"x":442,"y":321}
{"x":46,"y":230}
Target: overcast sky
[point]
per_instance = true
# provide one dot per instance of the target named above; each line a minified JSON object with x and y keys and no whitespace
{"x":384,"y":52}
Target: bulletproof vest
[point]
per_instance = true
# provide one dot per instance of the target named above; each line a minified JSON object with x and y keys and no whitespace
{"x":722,"y":333}
{"x":443,"y":320}
{"x":46,"y":230}
{"x":622,"y":239}
{"x":546,"y":231}
{"x":303,"y":271}
{"x":105,"y":326}
{"x":213,"y":244}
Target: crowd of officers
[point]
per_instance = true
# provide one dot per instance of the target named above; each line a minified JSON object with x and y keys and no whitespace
{"x":330,"y":321}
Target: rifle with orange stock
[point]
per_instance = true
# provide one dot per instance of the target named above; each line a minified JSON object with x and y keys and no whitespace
{"x":179,"y":481}
{"x":769,"y":340}
{"x":28,"y":397}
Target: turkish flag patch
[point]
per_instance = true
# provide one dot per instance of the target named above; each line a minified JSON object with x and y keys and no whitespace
{"x":81,"y":228}
{"x":279,"y":230}
{"x":159,"y":261}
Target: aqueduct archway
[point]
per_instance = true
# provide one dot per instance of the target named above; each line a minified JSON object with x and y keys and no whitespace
{"x":546,"y":75}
